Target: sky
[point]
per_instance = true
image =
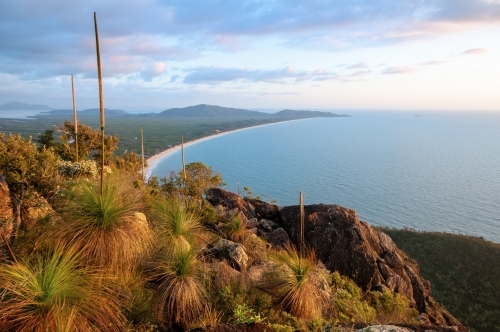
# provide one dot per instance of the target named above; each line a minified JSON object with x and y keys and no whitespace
{"x":254,"y":54}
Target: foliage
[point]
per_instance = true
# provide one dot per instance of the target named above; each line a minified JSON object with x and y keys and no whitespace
{"x":249,"y":194}
{"x":86,"y":168}
{"x":293,"y":284}
{"x":89,"y":143}
{"x":392,"y":307}
{"x":179,"y":298}
{"x":46,"y":140}
{"x":106,"y":229}
{"x":245,"y":315}
{"x":176,"y":224}
{"x":235,"y":228}
{"x":25,"y":168}
{"x":463,"y":277}
{"x":54,"y":292}
{"x":129,"y":162}
{"x":199,"y":178}
{"x":348,"y":302}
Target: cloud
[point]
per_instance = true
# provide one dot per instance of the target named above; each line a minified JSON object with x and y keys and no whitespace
{"x":474,"y":51}
{"x":58,"y":38}
{"x":360,"y":65}
{"x":398,"y":70}
{"x":288,"y":75}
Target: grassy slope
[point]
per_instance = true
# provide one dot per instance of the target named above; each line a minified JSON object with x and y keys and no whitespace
{"x":159,"y":132}
{"x":464,"y":272}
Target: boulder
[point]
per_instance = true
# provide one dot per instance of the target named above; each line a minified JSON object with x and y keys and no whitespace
{"x":228,"y":200}
{"x":235,"y":252}
{"x":345,"y":244}
{"x":39,"y":209}
{"x":355,"y":249}
{"x":263,"y":209}
{"x":268,"y":225}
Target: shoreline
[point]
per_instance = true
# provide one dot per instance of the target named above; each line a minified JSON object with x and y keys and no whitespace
{"x":153,"y":161}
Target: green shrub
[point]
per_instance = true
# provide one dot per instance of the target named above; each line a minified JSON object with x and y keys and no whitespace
{"x":348,"y":302}
{"x":392,"y":307}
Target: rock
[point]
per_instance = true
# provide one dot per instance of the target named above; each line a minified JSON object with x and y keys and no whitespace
{"x":235,"y":252}
{"x":253,"y":223}
{"x":418,"y":289}
{"x":263,"y":209}
{"x":339,"y":239}
{"x":345,"y":244}
{"x":278,"y":237}
{"x":355,"y":249}
{"x":258,"y":270}
{"x":246,"y":327}
{"x":268,"y":225}
{"x":228,"y":200}
{"x":383,"y":328}
{"x":39,"y":209}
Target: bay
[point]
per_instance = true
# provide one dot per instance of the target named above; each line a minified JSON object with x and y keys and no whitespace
{"x":438,"y":171}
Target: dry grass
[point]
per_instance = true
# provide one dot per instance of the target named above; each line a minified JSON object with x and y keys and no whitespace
{"x":56,"y":294}
{"x":294,"y":284}
{"x":179,"y":297}
{"x":107,"y":231}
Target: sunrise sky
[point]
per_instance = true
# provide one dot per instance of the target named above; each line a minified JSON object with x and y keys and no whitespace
{"x":336,"y":55}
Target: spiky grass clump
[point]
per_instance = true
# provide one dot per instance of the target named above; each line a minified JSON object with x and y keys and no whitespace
{"x":54,"y":293}
{"x":179,"y":297}
{"x":236,"y":228}
{"x":107,"y":231}
{"x":296,"y":284}
{"x":177,"y":224}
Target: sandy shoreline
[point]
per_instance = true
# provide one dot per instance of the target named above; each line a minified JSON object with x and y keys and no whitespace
{"x":153,"y":160}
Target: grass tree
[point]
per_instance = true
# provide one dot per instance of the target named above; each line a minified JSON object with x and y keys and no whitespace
{"x":107,"y":229}
{"x":179,"y":298}
{"x":296,"y":284}
{"x":178,"y":225}
{"x":54,"y":292}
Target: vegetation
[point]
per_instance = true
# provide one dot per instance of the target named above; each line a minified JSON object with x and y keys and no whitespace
{"x":53,"y":291}
{"x":139,"y":257}
{"x":159,"y":132}
{"x":463,"y":270}
{"x":106,"y":230}
{"x":296,"y":284}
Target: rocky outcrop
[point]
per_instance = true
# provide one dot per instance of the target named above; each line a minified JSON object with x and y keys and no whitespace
{"x":342,"y":243}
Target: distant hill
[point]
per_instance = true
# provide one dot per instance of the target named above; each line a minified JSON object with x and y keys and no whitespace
{"x":305,"y":114}
{"x":213,"y":111}
{"x":90,"y":112}
{"x":209,"y":111}
{"x":17,"y":106}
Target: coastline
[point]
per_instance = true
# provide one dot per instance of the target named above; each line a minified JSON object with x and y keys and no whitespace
{"x":153,"y":161}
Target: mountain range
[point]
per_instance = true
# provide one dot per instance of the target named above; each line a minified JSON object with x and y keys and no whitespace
{"x":202,"y":111}
{"x":17,"y":106}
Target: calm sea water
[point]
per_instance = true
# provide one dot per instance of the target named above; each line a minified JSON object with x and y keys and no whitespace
{"x":436,"y":171}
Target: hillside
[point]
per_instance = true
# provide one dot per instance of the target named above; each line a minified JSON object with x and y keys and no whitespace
{"x":464,"y":272}
{"x":209,"y":111}
{"x":213,"y":111}
{"x":17,"y":106}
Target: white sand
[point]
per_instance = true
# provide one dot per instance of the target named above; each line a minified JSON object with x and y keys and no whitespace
{"x":153,"y":161}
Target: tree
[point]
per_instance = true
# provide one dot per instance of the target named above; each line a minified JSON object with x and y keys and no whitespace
{"x":25,"y":167}
{"x":89,"y":142}
{"x":46,"y":140}
{"x":129,"y":162}
{"x":198,"y":179}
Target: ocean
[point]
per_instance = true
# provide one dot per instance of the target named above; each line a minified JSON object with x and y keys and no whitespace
{"x":431,"y":171}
